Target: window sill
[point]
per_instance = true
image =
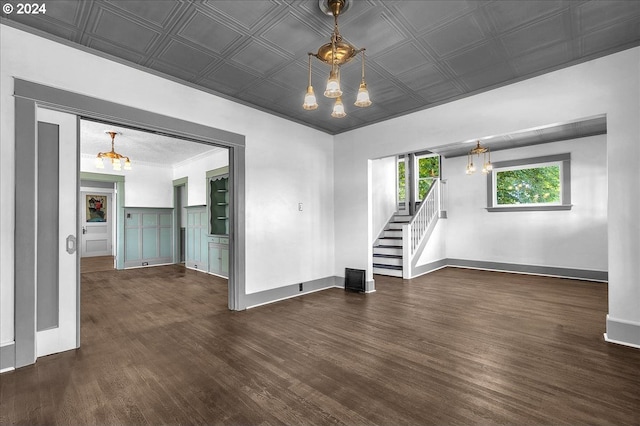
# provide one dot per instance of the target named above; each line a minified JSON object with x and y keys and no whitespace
{"x":530,"y":208}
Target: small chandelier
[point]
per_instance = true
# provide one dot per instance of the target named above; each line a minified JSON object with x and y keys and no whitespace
{"x":486,"y":159}
{"x":336,"y":53}
{"x":113,"y":156}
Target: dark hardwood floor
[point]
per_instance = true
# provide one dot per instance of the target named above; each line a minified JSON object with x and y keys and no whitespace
{"x":96,"y":264}
{"x":454,"y":347}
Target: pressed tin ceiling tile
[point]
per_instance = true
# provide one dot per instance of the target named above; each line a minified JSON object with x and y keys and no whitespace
{"x":121,"y":29}
{"x":208,"y":33}
{"x":401,"y":59}
{"x":179,"y":55}
{"x":157,"y":12}
{"x":455,"y":35}
{"x":421,"y":17}
{"x":230,"y":76}
{"x":602,"y":14}
{"x":259,"y":57}
{"x":507,"y":15}
{"x":549,"y":31}
{"x":280,"y":32}
{"x":247,"y":13}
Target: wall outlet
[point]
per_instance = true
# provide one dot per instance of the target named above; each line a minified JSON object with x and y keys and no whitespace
{"x":300,"y":287}
{"x":299,"y":207}
{"x":145,"y":263}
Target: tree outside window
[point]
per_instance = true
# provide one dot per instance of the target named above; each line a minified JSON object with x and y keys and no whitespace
{"x":530,"y":184}
{"x":402,"y":192}
{"x":428,"y":172}
{"x":535,"y":185}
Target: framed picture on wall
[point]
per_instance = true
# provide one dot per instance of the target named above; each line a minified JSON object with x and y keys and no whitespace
{"x":96,"y":208}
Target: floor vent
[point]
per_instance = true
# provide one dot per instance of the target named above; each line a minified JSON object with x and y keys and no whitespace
{"x":354,"y":279}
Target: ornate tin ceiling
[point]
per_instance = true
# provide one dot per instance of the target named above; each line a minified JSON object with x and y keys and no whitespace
{"x":419,"y":53}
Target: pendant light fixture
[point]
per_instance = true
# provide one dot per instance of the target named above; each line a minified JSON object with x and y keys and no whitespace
{"x":486,"y":159}
{"x":336,"y":53}
{"x":112,"y":156}
{"x":363,"y":94}
{"x":310,"y":102}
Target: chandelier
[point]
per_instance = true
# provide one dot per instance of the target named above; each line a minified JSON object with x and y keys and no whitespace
{"x":486,"y":159}
{"x":113,"y":156}
{"x":336,"y":53}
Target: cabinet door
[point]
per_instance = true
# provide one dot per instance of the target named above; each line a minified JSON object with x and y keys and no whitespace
{"x":214,"y":258}
{"x":224,"y":261}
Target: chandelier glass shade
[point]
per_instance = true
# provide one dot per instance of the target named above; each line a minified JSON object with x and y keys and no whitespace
{"x":112,"y":156}
{"x":336,"y":53}
{"x":486,"y":159}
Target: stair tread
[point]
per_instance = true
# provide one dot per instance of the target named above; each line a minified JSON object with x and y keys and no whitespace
{"x":390,"y":238}
{"x":381,"y":266}
{"x":386,"y":246}
{"x":390,"y":256}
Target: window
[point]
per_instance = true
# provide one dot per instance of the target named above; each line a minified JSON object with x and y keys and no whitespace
{"x":542,"y":183}
{"x":402,"y":180}
{"x":428,"y":172}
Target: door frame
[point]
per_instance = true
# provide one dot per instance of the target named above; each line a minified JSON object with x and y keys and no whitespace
{"x":28,"y":96}
{"x":184,"y":183}
{"x":112,"y":220}
{"x":118,"y":180}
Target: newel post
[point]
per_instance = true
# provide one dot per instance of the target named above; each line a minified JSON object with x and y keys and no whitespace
{"x":406,"y":251}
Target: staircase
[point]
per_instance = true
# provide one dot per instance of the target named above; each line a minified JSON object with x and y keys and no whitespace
{"x":387,"y":252}
{"x":398,"y":249}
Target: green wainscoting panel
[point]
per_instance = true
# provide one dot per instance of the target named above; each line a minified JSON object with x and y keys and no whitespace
{"x":149,"y":236}
{"x":196,"y":236}
{"x":132,"y":220}
{"x":131,"y":244}
{"x":166,"y":242}
{"x":149,"y":219}
{"x":149,"y":243}
{"x":165,"y":220}
{"x":189,"y":243}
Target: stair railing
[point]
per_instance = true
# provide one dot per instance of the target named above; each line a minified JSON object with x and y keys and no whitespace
{"x":414,"y":231}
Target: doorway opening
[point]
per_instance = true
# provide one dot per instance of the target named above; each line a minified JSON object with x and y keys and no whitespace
{"x":29,"y":98}
{"x":97,"y":207}
{"x":167,"y":213}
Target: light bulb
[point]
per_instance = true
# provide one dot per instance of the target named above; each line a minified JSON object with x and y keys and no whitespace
{"x":363,"y":100}
{"x":99,"y":163}
{"x":333,"y":86}
{"x":116,"y":164}
{"x":338,"y":109}
{"x":310,"y":102}
{"x":127,"y":164}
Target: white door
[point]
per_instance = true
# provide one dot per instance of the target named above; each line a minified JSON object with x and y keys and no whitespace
{"x":63,"y":335}
{"x":96,"y":221}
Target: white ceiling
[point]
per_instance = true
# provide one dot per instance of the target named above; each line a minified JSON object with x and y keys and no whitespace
{"x":140,"y":146}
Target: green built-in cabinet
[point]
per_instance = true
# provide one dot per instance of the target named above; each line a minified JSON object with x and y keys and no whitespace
{"x":219,"y":205}
{"x":148,"y":236}
{"x":219,"y":256}
{"x":205,"y":252}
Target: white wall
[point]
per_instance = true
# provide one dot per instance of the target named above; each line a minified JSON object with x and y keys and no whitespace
{"x":608,"y":85}
{"x":286,"y":163}
{"x":196,"y":170}
{"x":436,"y":246}
{"x":575,"y":238}
{"x":144,"y":186}
{"x":383,"y":182}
